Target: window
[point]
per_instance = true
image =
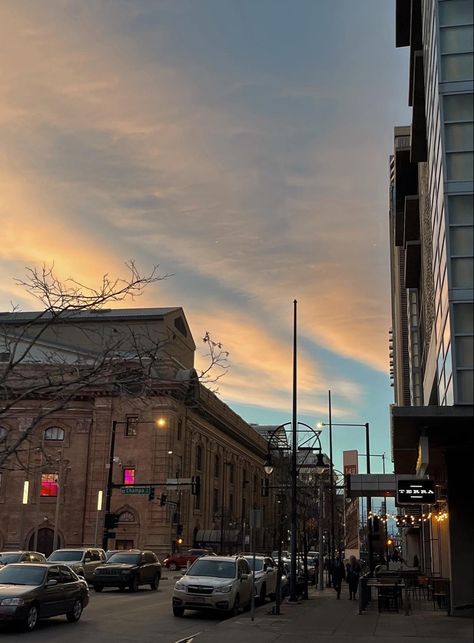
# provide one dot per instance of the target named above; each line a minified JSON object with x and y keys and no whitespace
{"x":54,"y":574}
{"x":217,"y":466}
{"x":67,"y":575}
{"x":231,"y":503}
{"x":54,"y":434}
{"x":197,"y":502}
{"x":198,"y":457}
{"x":460,"y":166}
{"x":129,"y":475}
{"x":179,"y":431}
{"x":131,"y":426}
{"x":455,"y":12}
{"x":3,"y":434}
{"x":215,"y":501}
{"x":458,"y":107}
{"x":126,"y":516}
{"x":255,"y":483}
{"x":231,"y":473}
{"x":49,"y":485}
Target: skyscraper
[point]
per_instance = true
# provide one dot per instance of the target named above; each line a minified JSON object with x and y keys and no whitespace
{"x":431,"y":237}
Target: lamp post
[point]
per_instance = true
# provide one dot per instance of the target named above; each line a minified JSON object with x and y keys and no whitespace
{"x":368,"y":456}
{"x":161,"y":422}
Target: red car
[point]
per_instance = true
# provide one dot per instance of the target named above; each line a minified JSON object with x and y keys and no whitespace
{"x":181,"y":559}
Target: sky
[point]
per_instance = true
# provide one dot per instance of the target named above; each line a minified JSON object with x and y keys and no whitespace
{"x":243,"y":146}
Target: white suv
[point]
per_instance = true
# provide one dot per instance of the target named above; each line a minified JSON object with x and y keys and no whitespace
{"x":221,"y":583}
{"x":265,"y":576}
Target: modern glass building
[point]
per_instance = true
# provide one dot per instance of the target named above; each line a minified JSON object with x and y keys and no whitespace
{"x":432,"y":263}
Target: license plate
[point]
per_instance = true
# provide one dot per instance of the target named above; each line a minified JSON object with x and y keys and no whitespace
{"x":196,"y":599}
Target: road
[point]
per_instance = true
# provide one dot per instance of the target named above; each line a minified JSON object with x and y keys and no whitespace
{"x":119,"y":617}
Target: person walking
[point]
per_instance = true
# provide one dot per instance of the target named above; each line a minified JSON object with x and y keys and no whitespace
{"x":338,"y":574}
{"x":353,"y":574}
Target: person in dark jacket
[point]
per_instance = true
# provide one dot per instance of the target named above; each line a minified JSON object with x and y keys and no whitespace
{"x":352,"y":574}
{"x":338,"y":574}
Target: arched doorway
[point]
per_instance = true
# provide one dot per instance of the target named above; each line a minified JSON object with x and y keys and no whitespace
{"x":45,"y":541}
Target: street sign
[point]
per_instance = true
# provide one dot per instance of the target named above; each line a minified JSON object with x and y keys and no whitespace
{"x":132,"y":491}
{"x":174,"y":482}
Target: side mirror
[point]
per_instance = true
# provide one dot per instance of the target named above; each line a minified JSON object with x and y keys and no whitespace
{"x":244,"y":577}
{"x":269,"y":570}
{"x":52,"y":582}
{"x":183,"y":572}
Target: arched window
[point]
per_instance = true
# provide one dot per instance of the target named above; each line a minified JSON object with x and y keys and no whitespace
{"x":3,"y":434}
{"x":126,"y":516}
{"x":54,"y":434}
{"x":198,"y":457}
{"x":217,"y":466}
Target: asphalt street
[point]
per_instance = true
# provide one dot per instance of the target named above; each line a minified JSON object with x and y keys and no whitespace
{"x":119,"y":617}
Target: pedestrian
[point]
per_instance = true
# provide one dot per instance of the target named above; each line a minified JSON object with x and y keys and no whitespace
{"x":338,"y":574}
{"x":353,"y":571}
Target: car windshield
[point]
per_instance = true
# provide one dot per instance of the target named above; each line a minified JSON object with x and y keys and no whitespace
{"x":9,"y":558}
{"x":22,"y":575}
{"x":131,"y":559}
{"x":69,"y":555}
{"x":213,"y":568}
{"x":258,"y":563}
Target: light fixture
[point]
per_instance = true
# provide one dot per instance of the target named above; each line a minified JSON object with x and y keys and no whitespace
{"x":26,"y":490}
{"x":161,"y":422}
{"x":321,"y":466}
{"x":268,"y":466}
{"x":170,"y":452}
{"x":320,"y":425}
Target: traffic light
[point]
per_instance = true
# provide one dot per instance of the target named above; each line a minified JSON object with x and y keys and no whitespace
{"x":151,"y":495}
{"x":196,"y":486}
{"x":163,"y":500}
{"x":265,"y":487}
{"x":111,"y":521}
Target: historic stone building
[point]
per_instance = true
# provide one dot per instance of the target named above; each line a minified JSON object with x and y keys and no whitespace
{"x":53,"y":489}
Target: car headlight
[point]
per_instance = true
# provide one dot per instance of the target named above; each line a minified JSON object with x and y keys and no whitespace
{"x":225,"y":589}
{"x":181,"y":587}
{"x":12,"y":601}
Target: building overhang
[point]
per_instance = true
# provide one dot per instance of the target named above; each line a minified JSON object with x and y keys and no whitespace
{"x":447,"y":428}
{"x":406,"y":185}
{"x":412,"y":264}
{"x":402,"y":23}
{"x":419,"y":151}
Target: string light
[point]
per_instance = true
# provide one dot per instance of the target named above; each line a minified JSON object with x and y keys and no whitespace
{"x":439,"y":515}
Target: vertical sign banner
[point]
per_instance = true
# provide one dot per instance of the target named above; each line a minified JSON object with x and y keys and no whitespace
{"x":351,"y":507}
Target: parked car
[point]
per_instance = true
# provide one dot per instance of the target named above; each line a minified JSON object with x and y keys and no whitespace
{"x":284,"y":554}
{"x":8,"y":557}
{"x":181,"y":559}
{"x":82,"y":560}
{"x":265,"y":576}
{"x":129,"y":568}
{"x":221,"y":583}
{"x":29,"y":592}
{"x":111,"y":552}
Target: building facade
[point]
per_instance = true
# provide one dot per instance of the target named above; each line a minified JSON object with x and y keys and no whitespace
{"x":53,"y":488}
{"x":431,"y":238}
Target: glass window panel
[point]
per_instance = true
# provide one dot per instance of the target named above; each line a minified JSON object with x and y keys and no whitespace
{"x":458,"y":107}
{"x":455,"y":12}
{"x":129,"y":476}
{"x":465,"y":351}
{"x":459,"y":136}
{"x":463,"y":318}
{"x":460,"y":166}
{"x":465,"y":387}
{"x":49,"y":485}
{"x":462,"y":242}
{"x":461,"y":209}
{"x":449,"y":393}
{"x":456,"y":67}
{"x":462,"y":270}
{"x":456,"y":40}
{"x":448,"y":364}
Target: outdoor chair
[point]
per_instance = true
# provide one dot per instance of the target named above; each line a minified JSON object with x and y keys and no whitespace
{"x":440,"y":593}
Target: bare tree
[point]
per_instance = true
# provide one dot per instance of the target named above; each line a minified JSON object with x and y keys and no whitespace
{"x":125,"y":361}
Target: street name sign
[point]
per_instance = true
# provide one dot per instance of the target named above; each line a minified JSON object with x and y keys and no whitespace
{"x":173,"y":482}
{"x":132,"y":491}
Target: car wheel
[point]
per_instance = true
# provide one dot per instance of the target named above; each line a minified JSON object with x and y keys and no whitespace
{"x":75,"y":614}
{"x":31,"y":620}
{"x":156,"y":582}
{"x":121,"y":588}
{"x":236,"y":607}
{"x":173,"y":567}
{"x":134,"y":584}
{"x":178,"y":611}
{"x":263,"y":594}
{"x":98,"y":588}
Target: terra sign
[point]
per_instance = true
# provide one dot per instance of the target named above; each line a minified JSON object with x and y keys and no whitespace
{"x":416,"y":492}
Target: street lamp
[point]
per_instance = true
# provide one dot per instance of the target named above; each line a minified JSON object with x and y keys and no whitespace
{"x":369,"y":500}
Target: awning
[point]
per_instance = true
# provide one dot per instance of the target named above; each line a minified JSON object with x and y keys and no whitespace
{"x":214,"y":536}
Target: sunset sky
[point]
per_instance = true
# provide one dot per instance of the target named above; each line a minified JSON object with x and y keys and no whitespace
{"x":243,"y":146}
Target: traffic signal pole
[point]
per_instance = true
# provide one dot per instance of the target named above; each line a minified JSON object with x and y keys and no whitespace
{"x":108,"y":493}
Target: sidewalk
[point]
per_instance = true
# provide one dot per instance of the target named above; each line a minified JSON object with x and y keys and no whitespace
{"x":325,"y":619}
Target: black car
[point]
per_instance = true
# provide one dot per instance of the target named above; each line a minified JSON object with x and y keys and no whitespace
{"x":8,"y":557}
{"x":29,"y":592}
{"x":131,"y":569}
